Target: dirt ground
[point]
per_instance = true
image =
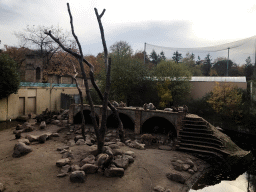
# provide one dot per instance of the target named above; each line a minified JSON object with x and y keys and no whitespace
{"x":37,"y":171}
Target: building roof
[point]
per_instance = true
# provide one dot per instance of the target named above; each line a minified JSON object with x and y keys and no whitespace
{"x":241,"y":79}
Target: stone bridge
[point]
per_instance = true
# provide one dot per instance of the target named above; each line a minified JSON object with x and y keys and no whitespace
{"x":134,"y":118}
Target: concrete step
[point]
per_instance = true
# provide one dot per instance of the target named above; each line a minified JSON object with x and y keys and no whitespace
{"x":203,"y":147}
{"x":206,"y":135}
{"x":195,"y":126}
{"x":189,"y":129}
{"x":199,"y":142}
{"x":198,"y":138}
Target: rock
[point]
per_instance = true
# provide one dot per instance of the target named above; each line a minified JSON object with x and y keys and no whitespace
{"x":130,"y":158}
{"x":185,"y":167}
{"x":21,"y":149}
{"x":191,"y":171}
{"x":28,"y":128}
{"x":159,"y":188}
{"x":63,"y":162}
{"x":18,"y":135}
{"x":107,"y":139}
{"x":177,"y":166}
{"x":2,"y":188}
{"x":80,"y":142}
{"x":65,"y":121}
{"x":42,"y":138}
{"x":62,"y":175}
{"x":168,"y":109}
{"x":19,"y":127}
{"x":164,"y":147}
{"x":114,"y":172}
{"x":42,"y":125}
{"x":117,"y":152}
{"x":93,"y":150}
{"x":71,"y":143}
{"x":190,"y":162}
{"x":75,"y":168}
{"x":67,"y":155}
{"x":77,"y":177}
{"x":180,"y":161}
{"x":26,"y":141}
{"x":168,"y":190}
{"x":89,"y":168}
{"x":103,"y":160}
{"x":109,"y":143}
{"x":63,"y":151}
{"x":32,"y":138}
{"x":61,"y":148}
{"x":130,"y":153}
{"x":114,"y":146}
{"x":55,"y":135}
{"x":78,"y":137}
{"x":194,"y":168}
{"x":65,"y":169}
{"x":108,"y":150}
{"x":120,"y":144}
{"x":176,"y":177}
{"x":121,"y":162}
{"x":138,"y":145}
{"x":89,"y":160}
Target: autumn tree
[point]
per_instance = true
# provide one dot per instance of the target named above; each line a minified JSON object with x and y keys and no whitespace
{"x":226,"y":100}
{"x":221,"y":67}
{"x":178,"y":75}
{"x":207,"y":65}
{"x":190,"y":62}
{"x":156,"y":58}
{"x":9,"y":76}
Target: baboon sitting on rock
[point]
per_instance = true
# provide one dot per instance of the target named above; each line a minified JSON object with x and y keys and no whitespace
{"x":149,"y":106}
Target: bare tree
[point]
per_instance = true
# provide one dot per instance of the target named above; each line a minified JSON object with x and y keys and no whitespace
{"x":100,"y":132}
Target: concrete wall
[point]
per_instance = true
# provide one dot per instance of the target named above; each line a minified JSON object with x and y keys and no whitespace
{"x":44,"y":97}
{"x":201,"y":88}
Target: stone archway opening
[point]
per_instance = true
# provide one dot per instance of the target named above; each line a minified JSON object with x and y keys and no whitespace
{"x":158,"y":125}
{"x":87,"y":117}
{"x":126,"y":120}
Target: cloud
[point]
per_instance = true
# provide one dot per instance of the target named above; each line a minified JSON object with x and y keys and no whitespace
{"x":8,"y":16}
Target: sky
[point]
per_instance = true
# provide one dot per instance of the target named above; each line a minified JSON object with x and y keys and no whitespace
{"x":182,"y":23}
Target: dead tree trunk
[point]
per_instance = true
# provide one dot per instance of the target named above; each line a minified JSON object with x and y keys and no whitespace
{"x":91,"y":73}
{"x":100,"y":133}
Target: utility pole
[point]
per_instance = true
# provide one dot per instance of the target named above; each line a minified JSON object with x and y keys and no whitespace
{"x":228,"y":60}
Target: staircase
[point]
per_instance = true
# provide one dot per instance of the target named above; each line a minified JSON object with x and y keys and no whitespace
{"x":197,"y":137}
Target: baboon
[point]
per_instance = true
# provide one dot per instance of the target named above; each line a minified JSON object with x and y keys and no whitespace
{"x":148,"y":139}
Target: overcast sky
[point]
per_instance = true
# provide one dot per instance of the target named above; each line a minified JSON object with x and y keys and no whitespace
{"x":182,"y":23}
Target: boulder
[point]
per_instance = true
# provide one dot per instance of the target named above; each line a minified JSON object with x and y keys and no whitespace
{"x":88,"y":160}
{"x":191,"y":171}
{"x":61,"y":148}
{"x":114,"y":172}
{"x":114,"y":146}
{"x":19,"y":127}
{"x":21,"y":149}
{"x":26,"y":141}
{"x":130,"y":158}
{"x":77,"y":177}
{"x":80,"y":142}
{"x":122,"y":162}
{"x":108,"y":150}
{"x":168,"y":109}
{"x":42,"y":138}
{"x":2,"y":188}
{"x":176,"y":177}
{"x":65,"y":169}
{"x":42,"y":125}
{"x":68,"y":154}
{"x":55,"y":135}
{"x":62,"y":174}
{"x":63,"y":162}
{"x":120,"y":144}
{"x":18,"y":134}
{"x":185,"y":167}
{"x":89,"y":168}
{"x":31,"y":138}
{"x":28,"y":128}
{"x":177,"y":166}
{"x":130,"y":153}
{"x":93,"y":150}
{"x":190,"y":162}
{"x":117,"y":152}
{"x":138,"y":145}
{"x":78,"y":137}
{"x":164,"y":147}
{"x":159,"y":188}
{"x":75,"y":168}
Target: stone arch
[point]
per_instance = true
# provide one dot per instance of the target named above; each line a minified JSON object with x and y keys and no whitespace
{"x":87,"y":117}
{"x":128,"y":122}
{"x":158,"y":124}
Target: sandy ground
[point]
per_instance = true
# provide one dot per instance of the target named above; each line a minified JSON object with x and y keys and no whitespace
{"x":37,"y":171}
